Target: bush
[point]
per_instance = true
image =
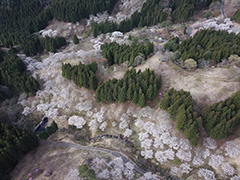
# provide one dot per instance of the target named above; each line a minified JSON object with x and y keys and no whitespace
{"x":190,"y":64}
{"x":166,"y":23}
{"x":86,"y":173}
{"x":49,"y":131}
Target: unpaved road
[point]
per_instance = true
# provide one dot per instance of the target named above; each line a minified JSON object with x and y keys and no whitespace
{"x":91,"y":148}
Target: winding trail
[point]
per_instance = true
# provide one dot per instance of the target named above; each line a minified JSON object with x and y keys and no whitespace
{"x":91,"y":148}
{"x":222,"y":9}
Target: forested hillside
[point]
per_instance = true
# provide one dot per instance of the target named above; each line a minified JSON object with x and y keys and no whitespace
{"x":154,"y":12}
{"x":20,"y":18}
{"x":179,"y":104}
{"x":75,"y":10}
{"x":208,"y":45}
{"x":138,"y":87}
{"x":117,"y":54}
{"x":14,"y":143}
{"x":13,"y":74}
{"x":221,"y":118}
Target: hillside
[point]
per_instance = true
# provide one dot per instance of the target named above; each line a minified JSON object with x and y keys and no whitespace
{"x":120,"y":89}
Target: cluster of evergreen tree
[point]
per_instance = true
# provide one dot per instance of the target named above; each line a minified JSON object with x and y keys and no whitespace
{"x":134,"y":86}
{"x":20,"y":18}
{"x":117,"y":54}
{"x":220,"y":118}
{"x":22,"y":39}
{"x":236,"y":16}
{"x":14,"y":143}
{"x":82,"y":75}
{"x":49,"y":131}
{"x":172,"y":44}
{"x":208,"y":45}
{"x":179,"y":104}
{"x":73,"y":11}
{"x":19,"y":14}
{"x":153,"y":12}
{"x":13,"y":74}
{"x":52,"y":44}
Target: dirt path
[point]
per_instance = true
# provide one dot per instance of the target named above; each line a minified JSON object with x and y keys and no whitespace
{"x":90,"y":148}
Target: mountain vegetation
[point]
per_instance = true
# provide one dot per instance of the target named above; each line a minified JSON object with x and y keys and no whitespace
{"x":13,"y":74}
{"x":117,"y":54}
{"x":179,"y":104}
{"x":52,"y":44}
{"x":14,"y":143}
{"x":20,"y":18}
{"x":73,"y":11}
{"x":137,"y":87}
{"x":221,"y":118}
{"x":208,"y":45}
{"x":153,"y":12}
{"x":82,"y":75}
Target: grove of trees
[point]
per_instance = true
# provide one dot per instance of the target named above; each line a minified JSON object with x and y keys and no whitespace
{"x":14,"y":143}
{"x":179,"y":104}
{"x":153,"y":12}
{"x":208,"y":45}
{"x":20,"y":18}
{"x":73,"y":11}
{"x":13,"y":74}
{"x":136,"y":87}
{"x":220,"y":118}
{"x":52,"y":44}
{"x":117,"y":54}
{"x":82,"y":75}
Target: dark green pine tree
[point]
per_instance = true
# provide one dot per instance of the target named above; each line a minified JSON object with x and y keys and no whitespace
{"x":130,"y":92}
{"x":155,"y":90}
{"x":141,"y":102}
{"x":181,"y":120}
{"x":98,"y":95}
{"x":149,"y":93}
{"x":122,"y":95}
{"x":75,"y":39}
{"x":165,"y":103}
{"x":93,"y":82}
{"x":135,"y":97}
